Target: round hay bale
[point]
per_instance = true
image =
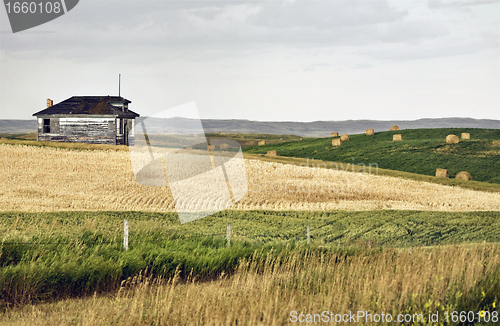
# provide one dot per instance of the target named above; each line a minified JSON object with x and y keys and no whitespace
{"x":464,"y":175}
{"x":271,"y":153}
{"x":262,"y":142}
{"x":334,"y":134}
{"x":397,"y":137}
{"x":370,"y":132}
{"x":394,"y":128}
{"x":452,"y":139}
{"x":465,"y":135}
{"x":336,"y":142}
{"x":442,"y":173}
{"x":344,"y":137}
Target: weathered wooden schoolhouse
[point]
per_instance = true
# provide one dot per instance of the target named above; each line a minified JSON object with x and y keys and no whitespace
{"x":87,"y":119}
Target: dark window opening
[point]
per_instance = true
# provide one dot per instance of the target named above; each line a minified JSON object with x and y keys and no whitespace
{"x":46,"y":126}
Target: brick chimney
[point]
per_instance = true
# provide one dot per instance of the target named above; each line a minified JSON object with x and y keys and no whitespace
{"x":49,"y":102}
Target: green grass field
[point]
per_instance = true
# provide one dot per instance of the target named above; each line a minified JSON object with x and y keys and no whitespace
{"x":53,"y":255}
{"x":421,"y":151}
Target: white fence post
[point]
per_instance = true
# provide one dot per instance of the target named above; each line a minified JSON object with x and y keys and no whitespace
{"x":125,"y":234}
{"x":228,"y":234}
{"x":308,"y":234}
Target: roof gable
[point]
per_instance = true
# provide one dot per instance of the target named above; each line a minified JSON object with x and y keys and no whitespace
{"x":91,"y":105}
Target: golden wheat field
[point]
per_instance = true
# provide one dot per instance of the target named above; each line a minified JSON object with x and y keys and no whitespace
{"x":50,"y":179}
{"x":267,"y":292}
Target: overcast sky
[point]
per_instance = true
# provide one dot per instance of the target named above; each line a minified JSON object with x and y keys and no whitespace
{"x":263,"y":60}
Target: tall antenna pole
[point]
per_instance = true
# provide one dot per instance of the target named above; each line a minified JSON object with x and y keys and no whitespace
{"x":119,"y":82}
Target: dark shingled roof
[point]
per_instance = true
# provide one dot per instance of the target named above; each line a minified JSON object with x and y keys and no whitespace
{"x":94,"y":105}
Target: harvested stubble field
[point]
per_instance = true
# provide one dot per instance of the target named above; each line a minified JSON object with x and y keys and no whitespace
{"x":39,"y":179}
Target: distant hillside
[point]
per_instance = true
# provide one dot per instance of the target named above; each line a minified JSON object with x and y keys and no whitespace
{"x":324,"y":128}
{"x":17,"y":126}
{"x":421,"y":151}
{"x":307,"y":129}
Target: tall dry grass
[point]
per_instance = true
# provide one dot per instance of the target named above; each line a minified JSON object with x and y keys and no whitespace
{"x":452,"y":278}
{"x":51,"y":179}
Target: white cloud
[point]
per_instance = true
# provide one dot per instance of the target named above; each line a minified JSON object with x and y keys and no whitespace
{"x":265,"y":60}
{"x":325,"y":14}
{"x":459,"y":3}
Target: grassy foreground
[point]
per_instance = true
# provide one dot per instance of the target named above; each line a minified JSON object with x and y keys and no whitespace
{"x":58,"y":255}
{"x":315,"y":285}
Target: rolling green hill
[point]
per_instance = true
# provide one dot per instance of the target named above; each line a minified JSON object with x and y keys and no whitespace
{"x":421,"y":151}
